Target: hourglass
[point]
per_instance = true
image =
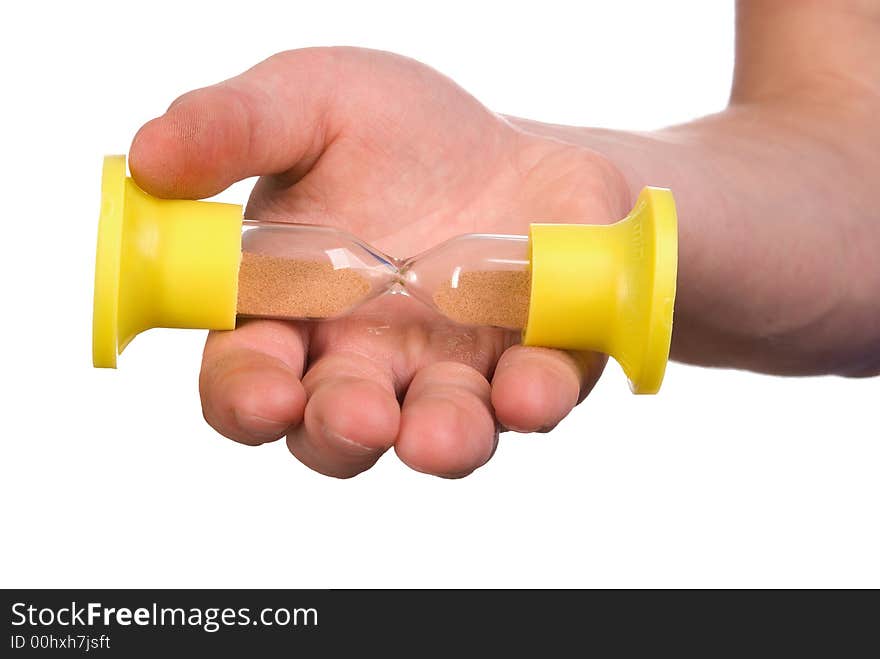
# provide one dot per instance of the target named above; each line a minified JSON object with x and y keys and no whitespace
{"x":196,"y":264}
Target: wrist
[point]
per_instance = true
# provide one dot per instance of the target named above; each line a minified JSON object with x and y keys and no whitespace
{"x":770,"y":228}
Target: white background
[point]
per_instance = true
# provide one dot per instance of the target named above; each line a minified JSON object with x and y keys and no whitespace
{"x":111,"y":478}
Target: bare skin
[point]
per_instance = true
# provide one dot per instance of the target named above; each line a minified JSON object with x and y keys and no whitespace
{"x":778,"y":270}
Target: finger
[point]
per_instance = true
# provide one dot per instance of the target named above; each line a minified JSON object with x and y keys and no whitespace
{"x":352,"y":416}
{"x":271,"y":119}
{"x":447,"y":427}
{"x":250,"y":380}
{"x":533,"y":389}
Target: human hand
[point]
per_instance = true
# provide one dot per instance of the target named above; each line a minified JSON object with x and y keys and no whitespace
{"x":397,"y":154}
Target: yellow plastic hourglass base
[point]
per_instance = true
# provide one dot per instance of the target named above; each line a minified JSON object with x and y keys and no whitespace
{"x":610,"y":288}
{"x":160,"y":263}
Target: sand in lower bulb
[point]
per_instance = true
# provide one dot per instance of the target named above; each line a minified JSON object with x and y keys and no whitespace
{"x":272,"y":286}
{"x":486,"y":297}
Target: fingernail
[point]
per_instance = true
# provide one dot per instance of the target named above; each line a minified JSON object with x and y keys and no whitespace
{"x":260,"y":427}
{"x":346,"y":441}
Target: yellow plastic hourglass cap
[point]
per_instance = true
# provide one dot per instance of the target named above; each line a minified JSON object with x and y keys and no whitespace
{"x":609,"y":288}
{"x":160,"y":263}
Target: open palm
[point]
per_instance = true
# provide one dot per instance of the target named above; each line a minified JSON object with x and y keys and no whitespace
{"x":397,"y":154}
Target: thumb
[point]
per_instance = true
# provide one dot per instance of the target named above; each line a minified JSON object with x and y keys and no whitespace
{"x":272,"y":119}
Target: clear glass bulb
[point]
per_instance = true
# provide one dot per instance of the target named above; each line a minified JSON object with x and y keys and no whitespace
{"x":296,"y":271}
{"x":474,"y":279}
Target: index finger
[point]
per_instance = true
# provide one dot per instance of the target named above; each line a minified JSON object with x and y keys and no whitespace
{"x":250,"y":380}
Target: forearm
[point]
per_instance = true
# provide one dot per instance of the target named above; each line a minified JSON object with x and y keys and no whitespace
{"x":779,"y":243}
